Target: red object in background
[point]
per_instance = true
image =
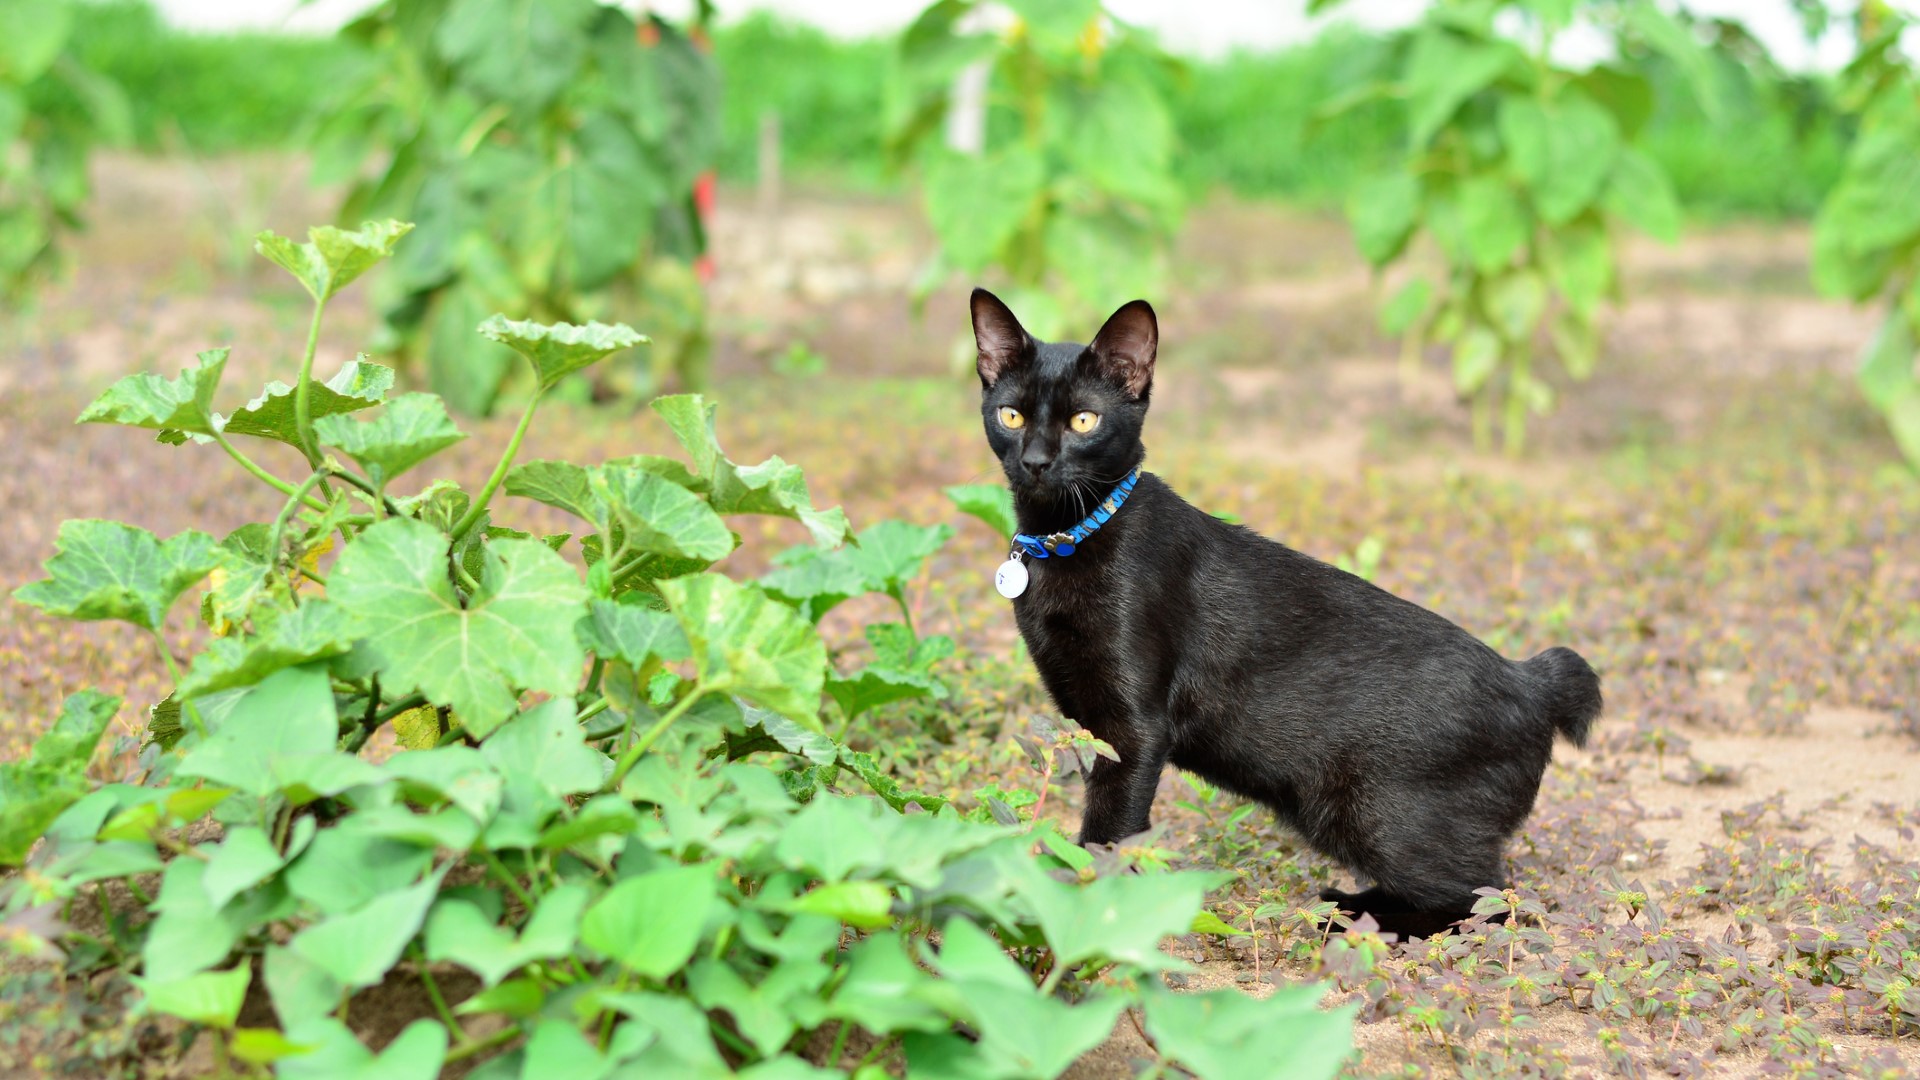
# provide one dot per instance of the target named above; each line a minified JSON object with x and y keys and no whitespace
{"x":703,"y":186}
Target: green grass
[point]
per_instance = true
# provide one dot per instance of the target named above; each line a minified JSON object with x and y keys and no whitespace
{"x":1247,"y":121}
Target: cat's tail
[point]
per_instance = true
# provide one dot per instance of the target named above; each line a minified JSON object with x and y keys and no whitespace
{"x":1572,"y":691}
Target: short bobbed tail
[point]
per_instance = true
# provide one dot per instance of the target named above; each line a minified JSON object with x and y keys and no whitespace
{"x":1571,"y":690}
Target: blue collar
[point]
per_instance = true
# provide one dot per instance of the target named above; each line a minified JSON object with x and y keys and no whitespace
{"x":1066,"y":543}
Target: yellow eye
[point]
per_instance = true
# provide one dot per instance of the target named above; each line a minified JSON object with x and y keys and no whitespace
{"x":1084,"y":422}
{"x":1011,"y":419}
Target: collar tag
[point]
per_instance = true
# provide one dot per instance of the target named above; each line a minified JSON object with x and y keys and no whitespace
{"x":1011,"y":578}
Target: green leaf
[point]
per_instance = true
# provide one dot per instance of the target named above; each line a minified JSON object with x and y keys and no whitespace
{"x":358,"y":948}
{"x":560,"y":484}
{"x":460,"y":932}
{"x":152,"y":401}
{"x":332,"y":257}
{"x":631,"y":633}
{"x":244,"y":859}
{"x":189,"y":934}
{"x":883,"y":989}
{"x":1886,"y":365}
{"x":411,"y":429}
{"x":976,"y":203}
{"x":652,"y":923}
{"x":867,"y":905}
{"x":515,"y":633}
{"x":316,"y":630}
{"x":106,"y":570}
{"x":416,"y":1054}
{"x":747,"y":644}
{"x":212,"y":998}
{"x":1516,"y":302}
{"x":1903,"y":419}
{"x":1406,"y":307}
{"x":1564,"y":152}
{"x":795,"y":739}
{"x":1021,"y":1033}
{"x":299,"y":991}
{"x":991,"y":503}
{"x":461,"y":774}
{"x":1493,"y":221}
{"x":289,"y":715}
{"x":36,"y":33}
{"x":1640,"y":194}
{"x":32,"y":797}
{"x":1122,"y":918}
{"x":901,"y":669}
{"x":771,"y":487}
{"x":1443,"y":71}
{"x":348,"y":866}
{"x":816,"y":580}
{"x":1383,"y":211}
{"x":1579,"y":259}
{"x":658,"y":515}
{"x":1206,"y":922}
{"x":1224,"y":1034}
{"x":264,"y":1046}
{"x":1668,"y":37}
{"x":359,"y":384}
{"x":543,"y":755}
{"x":558,"y":350}
{"x":70,"y":742}
{"x":892,"y":553}
{"x":1475,"y":359}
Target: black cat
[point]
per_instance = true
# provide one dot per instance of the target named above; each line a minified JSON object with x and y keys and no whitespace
{"x":1393,"y":740}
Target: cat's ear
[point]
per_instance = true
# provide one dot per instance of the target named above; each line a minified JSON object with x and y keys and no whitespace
{"x":1125,"y":347}
{"x":1000,"y":339}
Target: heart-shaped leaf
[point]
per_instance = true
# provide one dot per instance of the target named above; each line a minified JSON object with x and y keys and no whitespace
{"x":515,"y":633}
{"x":359,"y":384}
{"x":358,"y":948}
{"x":70,"y":742}
{"x":411,"y":429}
{"x":153,"y":401}
{"x":1225,"y":1033}
{"x":212,"y":997}
{"x":315,"y":630}
{"x":991,"y":503}
{"x":459,"y":931}
{"x":658,"y":516}
{"x":651,"y":923}
{"x":106,"y":570}
{"x":416,"y":1054}
{"x":631,"y":633}
{"x":748,"y":644}
{"x":558,"y":350}
{"x":771,"y":487}
{"x":543,"y":756}
{"x":560,"y":484}
{"x":289,"y":714}
{"x":332,"y":257}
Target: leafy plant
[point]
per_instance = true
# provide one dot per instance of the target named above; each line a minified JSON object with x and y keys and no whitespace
{"x":53,"y":112}
{"x":548,"y":152}
{"x":1072,"y":195}
{"x":610,"y":809}
{"x":1866,"y":242}
{"x":1521,"y":170}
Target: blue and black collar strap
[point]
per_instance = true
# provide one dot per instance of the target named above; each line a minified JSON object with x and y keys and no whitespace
{"x":1066,"y":543}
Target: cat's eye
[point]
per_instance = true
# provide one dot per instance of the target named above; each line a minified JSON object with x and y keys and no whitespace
{"x":1084,"y":421}
{"x":1011,"y":419}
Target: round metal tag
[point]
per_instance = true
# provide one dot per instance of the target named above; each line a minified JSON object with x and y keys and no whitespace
{"x":1011,"y":578}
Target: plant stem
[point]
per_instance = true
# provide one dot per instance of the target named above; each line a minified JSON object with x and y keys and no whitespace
{"x":594,"y":709}
{"x":631,"y":756}
{"x":303,"y":390}
{"x":433,"y":992}
{"x":173,"y":672}
{"x":298,"y":496}
{"x":468,"y":1049}
{"x":480,"y":501}
{"x":1053,"y":978}
{"x":263,"y":475}
{"x":506,"y":877}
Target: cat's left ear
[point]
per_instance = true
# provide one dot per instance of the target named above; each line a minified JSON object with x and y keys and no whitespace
{"x":1125,"y":347}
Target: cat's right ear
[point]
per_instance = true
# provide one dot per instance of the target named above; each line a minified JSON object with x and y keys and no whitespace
{"x":999,"y":338}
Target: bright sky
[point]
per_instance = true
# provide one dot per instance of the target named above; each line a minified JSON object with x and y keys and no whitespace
{"x":1204,"y":27}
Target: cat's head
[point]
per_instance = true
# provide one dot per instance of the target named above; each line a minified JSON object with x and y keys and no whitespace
{"x":1065,"y":419}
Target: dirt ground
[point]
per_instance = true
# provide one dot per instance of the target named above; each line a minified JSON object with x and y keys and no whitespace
{"x":1713,"y":518}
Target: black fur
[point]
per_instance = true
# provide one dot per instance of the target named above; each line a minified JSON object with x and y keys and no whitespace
{"x":1391,"y":739}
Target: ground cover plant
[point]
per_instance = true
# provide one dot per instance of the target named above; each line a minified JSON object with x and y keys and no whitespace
{"x":612,"y":819}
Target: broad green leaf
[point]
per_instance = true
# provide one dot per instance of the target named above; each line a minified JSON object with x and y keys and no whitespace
{"x":607,"y":815}
{"x":461,"y":774}
{"x":901,"y":669}
{"x":518,"y":998}
{"x":1516,"y":302}
{"x":515,"y":633}
{"x":1886,"y":364}
{"x":1563,"y":151}
{"x":795,"y":739}
{"x":1383,"y":211}
{"x":1579,"y":258}
{"x":1493,"y":220}
{"x":106,"y":570}
{"x":816,"y":580}
{"x":359,"y":384}
{"x":212,"y":998}
{"x":416,"y":1054}
{"x":152,"y":401}
{"x":1443,"y":71}
{"x":411,"y":429}
{"x":651,"y":923}
{"x":1673,"y":40}
{"x":32,"y":797}
{"x":657,"y":515}
{"x":358,"y":948}
{"x":36,"y":32}
{"x":560,"y":349}
{"x":289,"y":714}
{"x":991,"y":503}
{"x":543,"y":756}
{"x":763,"y":1013}
{"x":347,"y":867}
{"x":332,"y":257}
{"x":631,"y":633}
{"x":867,"y":905}
{"x":1021,"y":1033}
{"x":976,"y":203}
{"x":1226,"y":1035}
{"x":837,"y":839}
{"x":891,"y":553}
{"x":244,"y":859}
{"x":70,"y":742}
{"x":264,"y":1046}
{"x":189,"y":934}
{"x":316,"y":630}
{"x":1407,"y":306}
{"x":560,"y":484}
{"x":1121,"y":918}
{"x":881,"y":991}
{"x":460,"y":932}
{"x":299,"y":991}
{"x":771,"y":487}
{"x":745,"y":643}
{"x":1640,"y":194}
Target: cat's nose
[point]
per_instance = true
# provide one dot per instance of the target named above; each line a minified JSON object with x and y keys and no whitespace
{"x":1037,"y":464}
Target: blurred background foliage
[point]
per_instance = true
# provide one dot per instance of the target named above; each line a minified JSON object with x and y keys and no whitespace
{"x":410,"y":116}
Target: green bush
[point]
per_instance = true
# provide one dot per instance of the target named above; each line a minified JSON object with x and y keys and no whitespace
{"x":613,"y":804}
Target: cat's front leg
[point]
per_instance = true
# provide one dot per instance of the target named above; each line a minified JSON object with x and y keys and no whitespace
{"x":1120,"y":793}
